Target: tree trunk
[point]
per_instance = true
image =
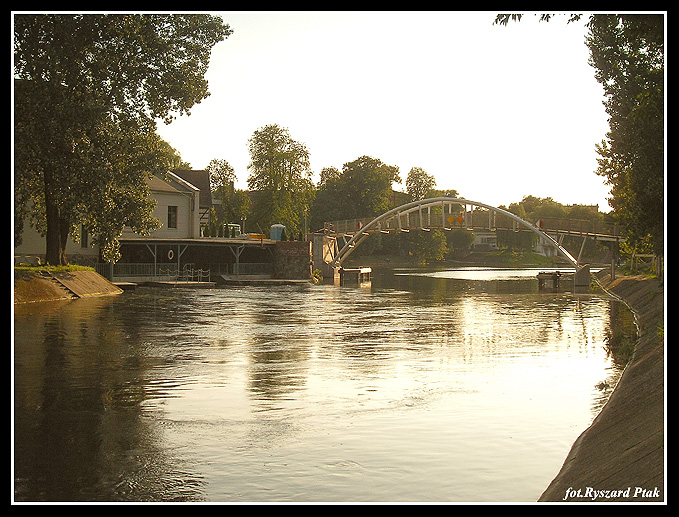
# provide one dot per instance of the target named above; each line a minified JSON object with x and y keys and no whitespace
{"x":54,"y":243}
{"x":64,"y":228}
{"x":53,"y":254}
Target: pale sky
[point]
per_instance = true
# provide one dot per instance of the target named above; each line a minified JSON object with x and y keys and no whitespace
{"x":495,"y":112}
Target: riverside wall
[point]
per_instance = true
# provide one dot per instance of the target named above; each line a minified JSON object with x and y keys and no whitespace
{"x":43,"y":287}
{"x":621,"y":456}
{"x":293,"y":260}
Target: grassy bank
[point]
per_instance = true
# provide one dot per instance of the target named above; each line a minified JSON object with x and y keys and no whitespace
{"x":52,"y":269}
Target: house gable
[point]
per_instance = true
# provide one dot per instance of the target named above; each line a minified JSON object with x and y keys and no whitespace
{"x":176,"y":208}
{"x":201,"y":180}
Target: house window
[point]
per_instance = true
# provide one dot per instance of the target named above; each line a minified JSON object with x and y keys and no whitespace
{"x":171,"y":216}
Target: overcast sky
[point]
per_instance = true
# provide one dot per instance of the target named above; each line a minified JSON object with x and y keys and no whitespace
{"x":495,"y":112}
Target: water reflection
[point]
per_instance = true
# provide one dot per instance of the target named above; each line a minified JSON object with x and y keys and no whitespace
{"x":422,"y":388}
{"x":79,"y":430}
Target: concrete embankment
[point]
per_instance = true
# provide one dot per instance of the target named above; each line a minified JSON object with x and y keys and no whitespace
{"x":45,"y":286}
{"x":621,"y":456}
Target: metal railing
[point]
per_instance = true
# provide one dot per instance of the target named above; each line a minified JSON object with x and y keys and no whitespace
{"x":145,"y":271}
{"x":188,"y":273}
{"x":245,"y":268}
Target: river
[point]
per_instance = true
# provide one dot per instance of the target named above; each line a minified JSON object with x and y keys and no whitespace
{"x":464,"y":385}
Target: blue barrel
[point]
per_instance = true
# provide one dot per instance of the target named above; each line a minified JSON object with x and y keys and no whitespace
{"x":277,"y":232}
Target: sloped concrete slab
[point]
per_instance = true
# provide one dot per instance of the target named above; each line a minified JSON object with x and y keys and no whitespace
{"x":86,"y":283}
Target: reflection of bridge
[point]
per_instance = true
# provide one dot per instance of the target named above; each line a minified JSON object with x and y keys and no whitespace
{"x":449,"y":213}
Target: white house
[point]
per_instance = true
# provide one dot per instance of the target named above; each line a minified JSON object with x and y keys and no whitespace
{"x":32,"y":248}
{"x":177,"y":209}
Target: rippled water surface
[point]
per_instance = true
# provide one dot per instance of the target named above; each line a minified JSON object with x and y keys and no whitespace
{"x":428,"y":386}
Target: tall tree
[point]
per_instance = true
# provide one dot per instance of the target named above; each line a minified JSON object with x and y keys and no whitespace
{"x":222,"y":175}
{"x":627,"y":53}
{"x":280,"y":178}
{"x":235,"y":203}
{"x":91,"y":88}
{"x":419,"y":184}
{"x":362,"y":189}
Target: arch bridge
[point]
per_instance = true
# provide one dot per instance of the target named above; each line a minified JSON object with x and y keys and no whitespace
{"x":448,"y":213}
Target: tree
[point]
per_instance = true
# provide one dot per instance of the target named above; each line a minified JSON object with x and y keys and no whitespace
{"x":460,"y":240}
{"x":280,"y":178}
{"x":427,"y":246}
{"x":73,"y":167}
{"x":627,"y":54}
{"x":419,"y":184}
{"x":517,"y":209}
{"x":222,"y":175}
{"x":91,"y":88}
{"x":503,"y":19}
{"x":362,"y":189}
{"x":328,"y":174}
{"x":327,"y":205}
{"x":366,"y":185}
{"x":235,"y":203}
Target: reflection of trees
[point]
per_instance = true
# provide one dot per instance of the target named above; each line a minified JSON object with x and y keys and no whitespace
{"x":277,"y":357}
{"x":79,"y":431}
{"x":277,"y":370}
{"x":621,"y":336}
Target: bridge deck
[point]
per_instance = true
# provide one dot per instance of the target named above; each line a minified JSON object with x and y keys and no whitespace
{"x":580,"y":228}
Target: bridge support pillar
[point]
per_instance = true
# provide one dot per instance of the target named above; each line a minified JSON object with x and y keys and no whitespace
{"x":331,"y":275}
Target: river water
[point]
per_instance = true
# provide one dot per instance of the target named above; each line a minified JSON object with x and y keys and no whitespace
{"x":445,"y":386}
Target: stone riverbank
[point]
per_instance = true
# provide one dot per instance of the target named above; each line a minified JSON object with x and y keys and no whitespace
{"x":621,"y":456}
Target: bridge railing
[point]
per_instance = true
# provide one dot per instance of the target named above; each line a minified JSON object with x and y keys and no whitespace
{"x":581,"y":227}
{"x":474,"y":219}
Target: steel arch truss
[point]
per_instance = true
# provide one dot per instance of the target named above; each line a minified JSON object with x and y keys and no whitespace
{"x":392,"y":220}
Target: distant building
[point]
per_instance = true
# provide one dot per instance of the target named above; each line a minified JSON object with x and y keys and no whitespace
{"x":545,"y":248}
{"x":484,"y":241}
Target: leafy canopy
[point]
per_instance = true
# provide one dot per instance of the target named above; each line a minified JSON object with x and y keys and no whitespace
{"x":627,"y":52}
{"x":280,"y":178}
{"x":88,"y":92}
{"x":628,"y":57}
